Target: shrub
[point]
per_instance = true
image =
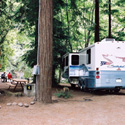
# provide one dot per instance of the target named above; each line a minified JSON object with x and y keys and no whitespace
{"x":63,"y":94}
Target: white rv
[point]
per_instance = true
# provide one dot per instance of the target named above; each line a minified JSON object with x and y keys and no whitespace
{"x":101,"y":66}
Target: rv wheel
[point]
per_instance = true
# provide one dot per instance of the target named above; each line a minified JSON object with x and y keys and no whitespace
{"x":116,"y":90}
{"x":73,"y":85}
{"x":81,"y":86}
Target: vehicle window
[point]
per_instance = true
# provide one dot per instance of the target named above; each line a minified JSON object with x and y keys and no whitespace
{"x":75,"y":59}
{"x":89,"y":56}
{"x":63,"y":62}
{"x":67,"y":61}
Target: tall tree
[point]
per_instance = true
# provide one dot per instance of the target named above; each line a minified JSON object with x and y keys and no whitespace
{"x":109,"y":34}
{"x":119,"y":29}
{"x":68,"y":23}
{"x":96,"y":20}
{"x":44,"y":55}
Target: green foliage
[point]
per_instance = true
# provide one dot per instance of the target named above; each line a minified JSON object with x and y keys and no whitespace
{"x":73,"y":29}
{"x":27,"y":72}
{"x":117,"y":15}
{"x":61,"y":94}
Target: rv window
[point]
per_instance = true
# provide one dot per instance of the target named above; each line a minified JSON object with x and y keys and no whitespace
{"x":67,"y":61}
{"x":75,"y":59}
{"x":89,"y":56}
{"x":63,"y":62}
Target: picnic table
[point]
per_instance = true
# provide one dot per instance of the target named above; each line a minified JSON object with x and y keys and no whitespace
{"x":18,"y":82}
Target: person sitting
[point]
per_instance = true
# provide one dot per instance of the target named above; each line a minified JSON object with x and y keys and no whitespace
{"x":9,"y":76}
{"x":3,"y":77}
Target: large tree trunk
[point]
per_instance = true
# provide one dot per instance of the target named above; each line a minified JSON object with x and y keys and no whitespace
{"x":44,"y":55}
{"x":96,"y":20}
{"x":68,"y":22}
{"x":109,"y":35}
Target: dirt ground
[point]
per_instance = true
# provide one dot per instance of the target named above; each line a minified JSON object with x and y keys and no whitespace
{"x":84,"y":108}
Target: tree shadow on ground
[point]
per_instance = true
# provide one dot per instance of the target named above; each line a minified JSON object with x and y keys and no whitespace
{"x":94,"y":92}
{"x":101,"y":92}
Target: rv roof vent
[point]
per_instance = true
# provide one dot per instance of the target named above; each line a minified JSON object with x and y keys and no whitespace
{"x":108,"y":39}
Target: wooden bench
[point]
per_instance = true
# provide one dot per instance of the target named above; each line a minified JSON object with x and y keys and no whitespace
{"x":10,"y":85}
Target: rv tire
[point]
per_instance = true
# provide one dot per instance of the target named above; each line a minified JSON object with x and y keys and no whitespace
{"x":73,"y":85}
{"x":116,"y":90}
{"x":81,"y":86}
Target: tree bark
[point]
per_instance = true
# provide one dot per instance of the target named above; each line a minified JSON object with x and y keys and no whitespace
{"x":109,"y":35}
{"x":44,"y":54}
{"x":68,"y":22}
{"x":96,"y":20}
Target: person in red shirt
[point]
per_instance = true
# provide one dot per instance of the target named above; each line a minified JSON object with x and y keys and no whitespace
{"x":9,"y":76}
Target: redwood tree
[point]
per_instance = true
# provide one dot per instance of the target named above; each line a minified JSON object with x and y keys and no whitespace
{"x":109,"y":35}
{"x":44,"y":55}
{"x":96,"y":20}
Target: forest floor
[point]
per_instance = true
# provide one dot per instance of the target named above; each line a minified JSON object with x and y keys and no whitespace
{"x":84,"y":108}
